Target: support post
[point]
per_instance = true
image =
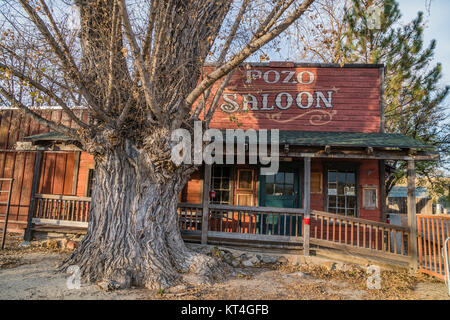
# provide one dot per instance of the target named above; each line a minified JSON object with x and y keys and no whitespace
{"x":412,"y":219}
{"x":76,"y":167}
{"x":382,"y":174}
{"x":307,"y":205}
{"x":205,"y":202}
{"x":34,"y":189}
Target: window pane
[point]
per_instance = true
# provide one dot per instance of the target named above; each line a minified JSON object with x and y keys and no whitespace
{"x":278,"y":189}
{"x":341,"y":177}
{"x":350,"y":177}
{"x":216,"y":183}
{"x":225,"y":196}
{"x":270,"y":179}
{"x":351,"y":202}
{"x":245,"y":179}
{"x":288,"y":189}
{"x":279,"y":177}
{"x":332,"y":202}
{"x":289,"y":177}
{"x":341,"y":202}
{"x":341,"y":189}
{"x":226,"y":171}
{"x":351,"y":212}
{"x":269,"y":188}
{"x":331,"y":176}
{"x":225,"y":183}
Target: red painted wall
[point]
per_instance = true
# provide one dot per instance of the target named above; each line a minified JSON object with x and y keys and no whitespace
{"x":57,"y":168}
{"x":352,"y":94}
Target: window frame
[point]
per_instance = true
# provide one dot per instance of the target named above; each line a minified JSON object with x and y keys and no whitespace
{"x":231,"y":183}
{"x":366,"y":188}
{"x":344,"y":166}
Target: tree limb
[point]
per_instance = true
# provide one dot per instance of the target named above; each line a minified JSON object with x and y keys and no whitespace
{"x":144,"y":75}
{"x":52,"y":125}
{"x":64,"y":56}
{"x":48,"y":92}
{"x":253,"y":46}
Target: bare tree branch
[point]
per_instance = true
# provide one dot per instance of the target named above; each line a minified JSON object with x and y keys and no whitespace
{"x":48,"y":92}
{"x":253,"y":46}
{"x":51,"y":124}
{"x":64,"y":56}
{"x":143,"y":72}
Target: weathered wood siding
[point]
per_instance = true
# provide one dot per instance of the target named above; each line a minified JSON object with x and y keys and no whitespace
{"x":58,"y":168}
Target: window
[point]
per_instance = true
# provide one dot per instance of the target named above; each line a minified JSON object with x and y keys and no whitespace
{"x":221,"y":184}
{"x":245,"y":179}
{"x":280,"y":184}
{"x":370,"y":200}
{"x":90,"y":182}
{"x":341,"y":194}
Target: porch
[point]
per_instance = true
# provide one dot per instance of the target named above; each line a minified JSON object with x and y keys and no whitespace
{"x":287,"y":218}
{"x":251,"y":226}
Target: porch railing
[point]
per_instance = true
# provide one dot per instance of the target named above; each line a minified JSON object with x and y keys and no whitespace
{"x":338,"y":231}
{"x":260,"y":224}
{"x":61,"y":210}
{"x":285,"y":225}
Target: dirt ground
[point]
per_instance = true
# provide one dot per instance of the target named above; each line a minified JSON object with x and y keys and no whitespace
{"x":31,"y":273}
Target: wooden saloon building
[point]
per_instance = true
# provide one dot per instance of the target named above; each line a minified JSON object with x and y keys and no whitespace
{"x":328,"y":192}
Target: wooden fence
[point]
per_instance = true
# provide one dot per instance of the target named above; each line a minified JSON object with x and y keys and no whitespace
{"x":432,"y":232}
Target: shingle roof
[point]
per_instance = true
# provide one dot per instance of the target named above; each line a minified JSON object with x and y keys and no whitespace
{"x":350,"y":139}
{"x":309,"y":138}
{"x":48,"y":136}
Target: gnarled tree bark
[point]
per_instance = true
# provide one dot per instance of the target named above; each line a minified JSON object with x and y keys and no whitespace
{"x":133,"y":237}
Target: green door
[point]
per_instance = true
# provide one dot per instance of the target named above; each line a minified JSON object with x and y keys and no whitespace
{"x":281,"y":190}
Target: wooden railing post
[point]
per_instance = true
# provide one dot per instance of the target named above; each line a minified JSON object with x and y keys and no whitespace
{"x":307,"y":205}
{"x":382,"y":174}
{"x":412,"y":219}
{"x":205,"y":202}
{"x":34,"y":189}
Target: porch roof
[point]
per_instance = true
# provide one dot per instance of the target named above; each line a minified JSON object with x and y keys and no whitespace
{"x":351,"y":139}
{"x":48,"y":136}
{"x":309,"y":138}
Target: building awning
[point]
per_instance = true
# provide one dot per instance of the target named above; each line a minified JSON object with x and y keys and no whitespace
{"x":51,"y":141}
{"x":48,"y":136}
{"x":308,"y":138}
{"x":351,"y":139}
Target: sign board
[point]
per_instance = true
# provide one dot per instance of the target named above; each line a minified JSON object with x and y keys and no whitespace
{"x":301,"y":97}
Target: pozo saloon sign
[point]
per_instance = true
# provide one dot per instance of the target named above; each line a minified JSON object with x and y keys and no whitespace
{"x":282,"y":100}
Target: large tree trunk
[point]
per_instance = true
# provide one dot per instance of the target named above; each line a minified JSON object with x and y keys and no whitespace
{"x":133,"y":237}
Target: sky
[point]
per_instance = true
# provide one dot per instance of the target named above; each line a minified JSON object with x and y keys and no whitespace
{"x":438,"y":28}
